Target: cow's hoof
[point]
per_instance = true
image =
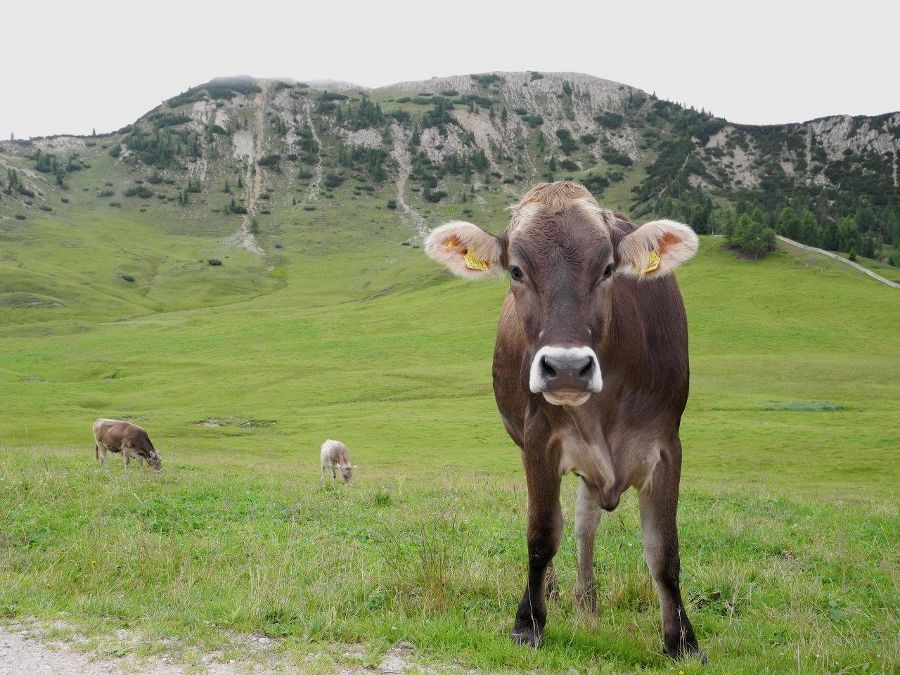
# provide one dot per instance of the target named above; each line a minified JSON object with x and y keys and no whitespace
{"x":526,"y":636}
{"x":586,"y":601}
{"x":685,"y":649}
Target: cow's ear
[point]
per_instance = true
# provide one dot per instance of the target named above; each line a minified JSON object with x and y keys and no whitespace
{"x":656,"y":248}
{"x":466,"y":250}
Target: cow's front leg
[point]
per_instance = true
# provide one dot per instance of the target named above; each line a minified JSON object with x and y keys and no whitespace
{"x":659,"y":504}
{"x":545,"y":525}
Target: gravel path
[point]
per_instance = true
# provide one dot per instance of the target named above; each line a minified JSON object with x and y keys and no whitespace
{"x":842,"y":259}
{"x":24,"y":650}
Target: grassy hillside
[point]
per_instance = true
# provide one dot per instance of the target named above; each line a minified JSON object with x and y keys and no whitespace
{"x":343,"y":329}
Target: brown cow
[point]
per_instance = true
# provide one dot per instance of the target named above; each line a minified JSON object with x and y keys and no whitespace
{"x":590,"y":376}
{"x":127,"y":438}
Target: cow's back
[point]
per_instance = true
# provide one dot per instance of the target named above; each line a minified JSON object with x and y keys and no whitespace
{"x":116,"y":434}
{"x":335,"y":452}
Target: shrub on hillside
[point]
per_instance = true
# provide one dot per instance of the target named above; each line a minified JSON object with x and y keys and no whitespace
{"x":214,"y":262}
{"x":610,"y":120}
{"x":433,"y":196}
{"x":566,"y":142}
{"x":235,"y":207}
{"x":613,"y":156}
{"x":749,"y":235}
{"x":487,"y":79}
{"x":138,"y":191}
{"x":333,"y":180}
{"x":269,"y":160}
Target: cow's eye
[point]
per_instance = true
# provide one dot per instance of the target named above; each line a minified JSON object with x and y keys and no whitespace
{"x":516,"y":273}
{"x":607,"y":273}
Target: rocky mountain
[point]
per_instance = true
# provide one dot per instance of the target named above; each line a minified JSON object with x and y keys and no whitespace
{"x":232,"y":146}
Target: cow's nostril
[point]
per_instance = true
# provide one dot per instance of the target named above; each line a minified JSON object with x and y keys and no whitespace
{"x":588,"y":367}
{"x":546,"y":368}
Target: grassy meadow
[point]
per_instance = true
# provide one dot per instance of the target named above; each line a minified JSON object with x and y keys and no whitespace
{"x":789,"y":515}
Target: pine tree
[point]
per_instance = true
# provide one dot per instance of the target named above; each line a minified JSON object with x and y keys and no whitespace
{"x":788,"y":223}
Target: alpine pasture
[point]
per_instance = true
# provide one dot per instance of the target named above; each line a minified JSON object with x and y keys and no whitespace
{"x":788,"y":516}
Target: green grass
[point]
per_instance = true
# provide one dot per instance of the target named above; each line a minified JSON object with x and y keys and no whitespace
{"x":789,"y":520}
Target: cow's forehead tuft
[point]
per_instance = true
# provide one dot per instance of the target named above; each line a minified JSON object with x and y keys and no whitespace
{"x":582,"y":211}
{"x":546,"y":201}
{"x":555,"y":197}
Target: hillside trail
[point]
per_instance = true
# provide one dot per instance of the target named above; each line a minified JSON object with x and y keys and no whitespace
{"x":404,"y":169}
{"x":244,"y":237}
{"x":846,"y":261}
{"x":316,"y":185}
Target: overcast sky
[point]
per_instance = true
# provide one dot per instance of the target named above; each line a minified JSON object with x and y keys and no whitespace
{"x":74,"y":66}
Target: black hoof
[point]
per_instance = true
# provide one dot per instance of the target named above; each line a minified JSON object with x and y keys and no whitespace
{"x":526,"y":636}
{"x":685,"y":649}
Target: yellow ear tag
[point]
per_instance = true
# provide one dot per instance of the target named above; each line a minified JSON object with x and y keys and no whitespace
{"x":652,"y":264}
{"x":474,"y":263}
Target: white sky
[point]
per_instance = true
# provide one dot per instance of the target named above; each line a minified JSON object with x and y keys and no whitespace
{"x":68,"y":67}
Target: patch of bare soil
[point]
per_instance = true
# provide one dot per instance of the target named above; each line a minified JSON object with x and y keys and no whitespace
{"x":316,"y":183}
{"x":244,"y":237}
{"x":29,"y":647}
{"x":404,"y":168}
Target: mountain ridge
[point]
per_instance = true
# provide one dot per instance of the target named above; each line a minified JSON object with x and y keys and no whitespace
{"x":453,"y":137}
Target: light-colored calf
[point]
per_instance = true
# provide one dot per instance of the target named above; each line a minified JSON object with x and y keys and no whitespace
{"x":336,"y":458}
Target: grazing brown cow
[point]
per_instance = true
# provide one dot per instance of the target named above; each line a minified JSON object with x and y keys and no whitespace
{"x":127,"y":438}
{"x":336,"y":458}
{"x":590,"y":376}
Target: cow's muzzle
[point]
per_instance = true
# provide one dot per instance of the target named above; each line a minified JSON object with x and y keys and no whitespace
{"x":565,"y":375}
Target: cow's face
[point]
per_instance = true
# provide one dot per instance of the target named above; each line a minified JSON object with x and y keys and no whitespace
{"x":563,"y":254}
{"x":346,"y":472}
{"x":153,"y":459}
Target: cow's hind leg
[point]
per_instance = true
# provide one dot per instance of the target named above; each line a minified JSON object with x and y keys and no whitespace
{"x":659,"y":503}
{"x":101,"y":453}
{"x":552,"y":593}
{"x":545,"y":524}
{"x":587,"y":517}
